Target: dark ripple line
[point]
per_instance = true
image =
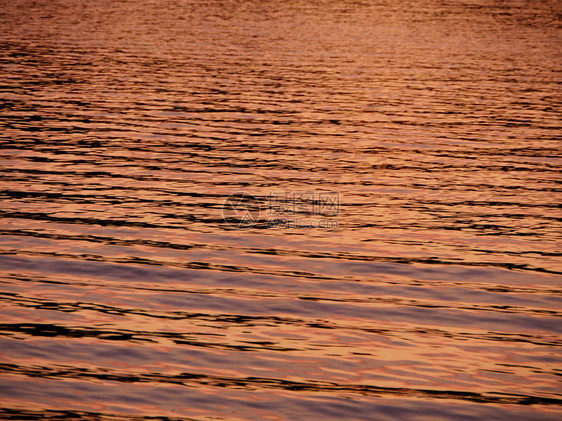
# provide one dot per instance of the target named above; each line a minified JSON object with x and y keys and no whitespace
{"x":152,"y":243}
{"x":232,"y":170}
{"x":269,"y":251}
{"x":23,"y":301}
{"x":53,"y":330}
{"x":238,"y":319}
{"x":428,"y":284}
{"x":152,"y":262}
{"x":171,"y":148}
{"x":258,"y":383}
{"x":54,"y":414}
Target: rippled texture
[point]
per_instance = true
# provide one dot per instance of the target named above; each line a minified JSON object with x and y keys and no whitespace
{"x":127,"y":124}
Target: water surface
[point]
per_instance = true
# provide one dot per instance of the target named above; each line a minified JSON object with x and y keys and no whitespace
{"x":126,"y":126}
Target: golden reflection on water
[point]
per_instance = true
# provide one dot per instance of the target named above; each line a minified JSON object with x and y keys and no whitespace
{"x":131,"y":290}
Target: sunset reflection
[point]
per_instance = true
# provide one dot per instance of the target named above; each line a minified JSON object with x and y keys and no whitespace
{"x":297,"y":210}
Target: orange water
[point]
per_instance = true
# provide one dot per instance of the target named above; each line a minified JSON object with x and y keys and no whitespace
{"x":435,"y":293}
